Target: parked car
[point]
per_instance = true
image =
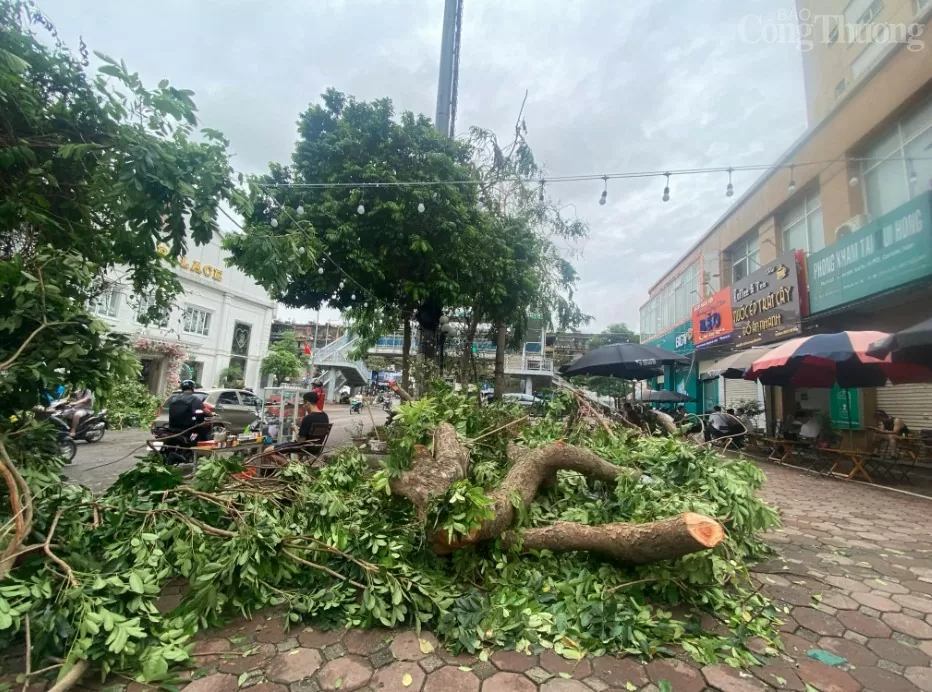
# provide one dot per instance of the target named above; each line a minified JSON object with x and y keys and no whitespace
{"x":521,"y":399}
{"x":234,"y":409}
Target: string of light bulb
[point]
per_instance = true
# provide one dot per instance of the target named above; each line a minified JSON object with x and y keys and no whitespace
{"x":605,"y":177}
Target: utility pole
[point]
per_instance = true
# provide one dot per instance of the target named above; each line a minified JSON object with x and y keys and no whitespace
{"x":449,"y":53}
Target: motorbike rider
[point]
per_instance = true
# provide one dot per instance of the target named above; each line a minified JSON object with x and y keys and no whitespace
{"x":80,"y":404}
{"x":317,"y":386}
{"x":185,"y":411}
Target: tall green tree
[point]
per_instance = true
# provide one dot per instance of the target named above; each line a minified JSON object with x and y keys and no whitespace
{"x":406,"y":247}
{"x":619,"y":333}
{"x":94,"y":174}
{"x":283,"y":360}
{"x":536,"y":277}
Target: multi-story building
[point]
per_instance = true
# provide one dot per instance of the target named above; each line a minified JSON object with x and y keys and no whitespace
{"x":217,"y":333}
{"x":314,"y":335}
{"x":565,"y":347}
{"x":838,"y":235}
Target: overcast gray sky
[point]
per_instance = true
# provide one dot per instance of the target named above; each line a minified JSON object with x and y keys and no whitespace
{"x":613,"y":87}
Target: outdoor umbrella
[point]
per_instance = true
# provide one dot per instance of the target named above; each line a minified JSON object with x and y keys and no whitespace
{"x":662,"y":396}
{"x":624,"y":361}
{"x":823,"y":360}
{"x":733,"y":367}
{"x":912,"y":345}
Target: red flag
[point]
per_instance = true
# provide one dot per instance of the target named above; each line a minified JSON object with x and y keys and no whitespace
{"x":307,"y":350}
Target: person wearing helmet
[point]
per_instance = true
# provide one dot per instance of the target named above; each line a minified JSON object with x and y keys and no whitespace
{"x":187,"y":410}
{"x":317,"y":386}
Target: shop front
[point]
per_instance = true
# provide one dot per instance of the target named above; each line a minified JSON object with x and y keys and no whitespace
{"x":877,"y":278}
{"x":760,"y":310}
{"x":680,"y":378}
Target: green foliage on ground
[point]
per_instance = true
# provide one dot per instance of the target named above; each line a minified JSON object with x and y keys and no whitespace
{"x":334,"y":546}
{"x":130,"y":404}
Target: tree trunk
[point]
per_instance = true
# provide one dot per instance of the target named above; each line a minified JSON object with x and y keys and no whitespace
{"x":500,"y":340}
{"x":432,"y":474}
{"x":406,"y":356}
{"x":467,"y":350}
{"x":636,"y":544}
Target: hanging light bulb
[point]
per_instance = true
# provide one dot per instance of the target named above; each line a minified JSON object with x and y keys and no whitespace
{"x":604,"y":198}
{"x":420,"y":207}
{"x":300,"y":210}
{"x":301,"y":250}
{"x":342,"y":283}
{"x":791,"y":188}
{"x":666,"y":190}
{"x":730,"y":190}
{"x":366,"y":304}
{"x":361,"y":209}
{"x":853,"y":182}
{"x":274,"y":222}
{"x":320,"y":270}
{"x":353,"y":297}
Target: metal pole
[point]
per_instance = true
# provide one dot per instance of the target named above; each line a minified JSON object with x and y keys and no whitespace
{"x":447,"y":57}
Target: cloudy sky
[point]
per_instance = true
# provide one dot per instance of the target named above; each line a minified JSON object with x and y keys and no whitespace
{"x":613,"y":87}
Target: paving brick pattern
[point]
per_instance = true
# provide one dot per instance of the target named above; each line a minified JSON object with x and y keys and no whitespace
{"x":854,"y":570}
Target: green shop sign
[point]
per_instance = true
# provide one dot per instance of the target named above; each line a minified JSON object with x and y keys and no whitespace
{"x":888,"y":252}
{"x":845,"y":408}
{"x":679,"y":339}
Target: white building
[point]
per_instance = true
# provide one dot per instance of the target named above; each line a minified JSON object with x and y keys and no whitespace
{"x":220,"y":322}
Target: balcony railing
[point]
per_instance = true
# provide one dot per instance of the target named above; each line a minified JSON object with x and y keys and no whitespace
{"x":528,"y":363}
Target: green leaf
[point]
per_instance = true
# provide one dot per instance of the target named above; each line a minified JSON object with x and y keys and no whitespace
{"x":665,"y":686}
{"x":135,"y":583}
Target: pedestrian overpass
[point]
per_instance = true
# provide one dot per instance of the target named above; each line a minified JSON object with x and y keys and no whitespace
{"x":338,"y":368}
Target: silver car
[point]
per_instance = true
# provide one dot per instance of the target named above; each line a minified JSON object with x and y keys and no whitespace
{"x":234,"y":409}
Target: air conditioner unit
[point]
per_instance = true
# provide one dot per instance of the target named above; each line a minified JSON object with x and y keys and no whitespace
{"x":851,"y":225}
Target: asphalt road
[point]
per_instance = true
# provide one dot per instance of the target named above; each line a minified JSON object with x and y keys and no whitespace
{"x":98,"y":465}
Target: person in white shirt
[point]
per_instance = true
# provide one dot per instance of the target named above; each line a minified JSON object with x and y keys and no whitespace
{"x":810,"y":429}
{"x":719,"y":420}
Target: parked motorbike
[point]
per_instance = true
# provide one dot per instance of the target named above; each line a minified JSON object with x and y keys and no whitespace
{"x":356,"y":407}
{"x":387,"y":404}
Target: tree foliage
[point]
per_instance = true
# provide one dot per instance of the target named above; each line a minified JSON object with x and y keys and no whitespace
{"x":94,"y":173}
{"x":334,"y":547}
{"x":619,"y":333}
{"x":283,"y":360}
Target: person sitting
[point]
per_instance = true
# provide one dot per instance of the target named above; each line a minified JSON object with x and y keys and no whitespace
{"x":745,"y":420}
{"x":186,"y":410}
{"x":679,"y":413}
{"x":810,"y":428}
{"x":80,"y":404}
{"x":892,"y":426}
{"x":312,"y":416}
{"x":719,"y":423}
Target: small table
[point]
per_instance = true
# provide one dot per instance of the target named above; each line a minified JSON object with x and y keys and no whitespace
{"x":857,"y":462}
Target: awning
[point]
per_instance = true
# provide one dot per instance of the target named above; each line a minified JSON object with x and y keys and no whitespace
{"x":732,"y":367}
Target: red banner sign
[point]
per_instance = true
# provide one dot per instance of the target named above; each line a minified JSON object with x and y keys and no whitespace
{"x":712,"y":319}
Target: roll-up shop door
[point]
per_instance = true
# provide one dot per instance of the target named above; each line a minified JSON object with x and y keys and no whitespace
{"x":910,"y":402}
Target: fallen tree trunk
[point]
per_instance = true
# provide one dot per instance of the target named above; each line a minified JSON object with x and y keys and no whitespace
{"x":431,"y":475}
{"x":629,"y":543}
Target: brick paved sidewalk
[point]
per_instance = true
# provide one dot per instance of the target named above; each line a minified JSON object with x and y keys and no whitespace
{"x":855,"y":570}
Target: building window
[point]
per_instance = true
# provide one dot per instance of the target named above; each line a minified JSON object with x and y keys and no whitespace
{"x":193,"y":370}
{"x":802,"y":225}
{"x":196,"y":321}
{"x":745,"y":257}
{"x":898,"y":166}
{"x":672,"y":305}
{"x":106,"y":304}
{"x":142,"y":309}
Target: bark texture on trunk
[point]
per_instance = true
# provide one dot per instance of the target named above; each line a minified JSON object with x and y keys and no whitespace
{"x":406,"y":356}
{"x":635,"y":544}
{"x":501,"y":339}
{"x":471,"y":328}
{"x":431,"y":474}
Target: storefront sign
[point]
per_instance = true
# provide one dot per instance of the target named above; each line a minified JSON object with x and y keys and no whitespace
{"x":845,"y":408}
{"x":205,"y":270}
{"x":889,"y":252}
{"x":712,"y":320}
{"x":678,"y":339}
{"x":767,"y":305}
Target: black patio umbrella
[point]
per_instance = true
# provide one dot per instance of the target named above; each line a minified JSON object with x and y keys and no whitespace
{"x":624,"y":361}
{"x":911,"y":345}
{"x":662,"y":396}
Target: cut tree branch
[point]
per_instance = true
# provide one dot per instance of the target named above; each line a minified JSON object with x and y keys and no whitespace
{"x":431,"y":475}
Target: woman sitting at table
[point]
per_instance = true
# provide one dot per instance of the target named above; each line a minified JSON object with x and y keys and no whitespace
{"x":892,"y":426}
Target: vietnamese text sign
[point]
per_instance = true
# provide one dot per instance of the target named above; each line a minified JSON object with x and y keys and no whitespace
{"x":712,"y":319}
{"x":891,"y":251}
{"x":766,"y":305}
